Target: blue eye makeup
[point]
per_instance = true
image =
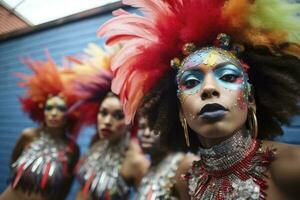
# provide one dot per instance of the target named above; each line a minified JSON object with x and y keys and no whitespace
{"x":229,"y":76}
{"x":226,"y":75}
{"x":61,"y":108}
{"x":191,"y":81}
{"x":118,"y":114}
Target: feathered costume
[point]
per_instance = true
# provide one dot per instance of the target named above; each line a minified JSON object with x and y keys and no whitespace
{"x":263,"y":34}
{"x":93,"y":79}
{"x":44,"y":166}
{"x":48,"y":81}
{"x":98,"y":169}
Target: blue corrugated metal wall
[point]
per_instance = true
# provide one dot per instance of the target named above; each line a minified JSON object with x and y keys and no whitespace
{"x":292,"y":133}
{"x":68,"y":39}
{"x":62,"y":40}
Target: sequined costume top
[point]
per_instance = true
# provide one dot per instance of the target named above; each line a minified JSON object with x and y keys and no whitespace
{"x":45,"y":167}
{"x":158,"y":183}
{"x":98,"y":170}
{"x":234,"y":169}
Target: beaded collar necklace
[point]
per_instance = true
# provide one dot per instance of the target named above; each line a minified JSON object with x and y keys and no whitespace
{"x":234,"y":169}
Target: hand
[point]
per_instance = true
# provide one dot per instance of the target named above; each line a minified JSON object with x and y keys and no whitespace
{"x":135,"y":163}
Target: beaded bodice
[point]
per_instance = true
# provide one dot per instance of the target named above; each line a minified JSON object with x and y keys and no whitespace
{"x":158,"y":183}
{"x":45,"y":167}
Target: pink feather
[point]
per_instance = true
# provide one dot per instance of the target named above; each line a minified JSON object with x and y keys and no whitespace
{"x":152,"y":40}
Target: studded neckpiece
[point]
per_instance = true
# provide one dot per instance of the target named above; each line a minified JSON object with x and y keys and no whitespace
{"x":99,"y":170}
{"x":234,"y":169}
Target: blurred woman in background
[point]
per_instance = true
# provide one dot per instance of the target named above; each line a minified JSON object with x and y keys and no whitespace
{"x":43,"y":158}
{"x":99,"y":169}
{"x":163,"y":179}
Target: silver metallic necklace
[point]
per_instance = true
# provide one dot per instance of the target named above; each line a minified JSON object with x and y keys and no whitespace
{"x":44,"y":167}
{"x":234,"y":169}
{"x":98,"y":170}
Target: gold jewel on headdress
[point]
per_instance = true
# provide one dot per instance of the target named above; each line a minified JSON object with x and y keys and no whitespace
{"x":188,"y":48}
{"x":175,"y":63}
{"x":223,"y":41}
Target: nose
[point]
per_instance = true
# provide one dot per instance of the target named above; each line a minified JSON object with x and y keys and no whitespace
{"x":210,"y":88}
{"x":107,"y":120}
{"x":54,"y":112}
{"x":147,"y":132}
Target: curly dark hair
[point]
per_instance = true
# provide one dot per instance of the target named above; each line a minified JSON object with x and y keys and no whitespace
{"x":161,"y":107}
{"x":275,"y":80}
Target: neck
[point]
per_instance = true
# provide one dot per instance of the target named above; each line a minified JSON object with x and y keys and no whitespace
{"x":157,"y":156}
{"x":228,"y":152}
{"x":57,"y":132}
{"x":210,"y":142}
{"x":116,"y":141}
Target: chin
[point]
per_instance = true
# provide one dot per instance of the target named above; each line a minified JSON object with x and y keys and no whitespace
{"x":54,"y":125}
{"x":111,"y":138}
{"x":147,"y":150}
{"x":214,"y":131}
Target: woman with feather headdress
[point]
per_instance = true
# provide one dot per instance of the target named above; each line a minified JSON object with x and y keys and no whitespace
{"x":222,"y":75}
{"x":101,"y":170}
{"x":43,"y":158}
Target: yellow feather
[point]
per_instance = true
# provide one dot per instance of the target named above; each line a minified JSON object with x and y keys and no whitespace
{"x":277,"y":16}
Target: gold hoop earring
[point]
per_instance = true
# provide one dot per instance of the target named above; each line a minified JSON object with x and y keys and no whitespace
{"x":252,"y":120}
{"x":185,"y":129}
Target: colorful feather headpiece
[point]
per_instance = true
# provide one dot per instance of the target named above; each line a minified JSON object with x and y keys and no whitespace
{"x":46,"y":81}
{"x":93,"y":79}
{"x":151,"y":41}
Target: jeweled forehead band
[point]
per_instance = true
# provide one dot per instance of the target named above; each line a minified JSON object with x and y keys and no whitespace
{"x":209,"y":56}
{"x":222,"y":46}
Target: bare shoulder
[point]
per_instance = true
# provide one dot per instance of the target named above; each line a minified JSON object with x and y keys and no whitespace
{"x":286,"y":152}
{"x":285,"y":170}
{"x":29,"y":133}
{"x":27,"y":136}
{"x":80,"y":196}
{"x":185,"y":164}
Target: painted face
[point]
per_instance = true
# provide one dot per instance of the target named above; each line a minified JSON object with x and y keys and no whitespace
{"x":54,"y":111}
{"x":148,"y":139}
{"x":213,"y":90}
{"x":111,"y":121}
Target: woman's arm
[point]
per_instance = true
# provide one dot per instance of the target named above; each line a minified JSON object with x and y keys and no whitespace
{"x":135,"y":164}
{"x":285,"y":169}
{"x":181,"y":185}
{"x":80,"y":196}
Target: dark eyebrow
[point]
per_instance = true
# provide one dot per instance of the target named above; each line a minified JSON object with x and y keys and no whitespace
{"x":112,"y":111}
{"x":118,"y":110}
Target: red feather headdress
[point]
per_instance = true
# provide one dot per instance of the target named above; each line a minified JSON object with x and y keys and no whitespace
{"x":151,"y":41}
{"x":93,"y":79}
{"x":47,"y":80}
